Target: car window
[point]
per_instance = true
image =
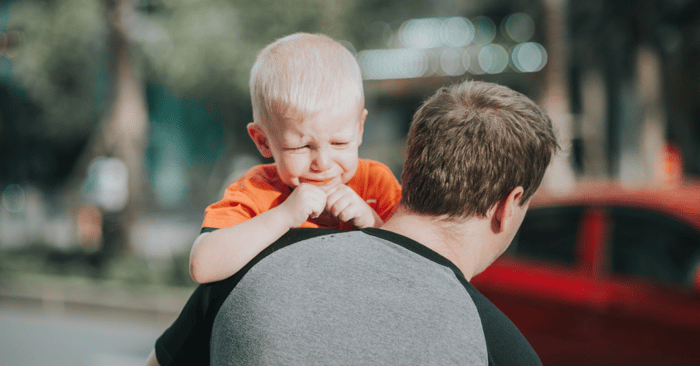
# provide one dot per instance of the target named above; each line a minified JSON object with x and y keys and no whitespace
{"x":653,"y":246}
{"x":548,"y":233}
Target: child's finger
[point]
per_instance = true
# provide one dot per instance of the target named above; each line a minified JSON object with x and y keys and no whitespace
{"x":339,"y":207}
{"x":347,"y":214}
{"x":308,"y":200}
{"x":338,"y":193}
{"x":317,"y":204}
{"x":317,"y":209}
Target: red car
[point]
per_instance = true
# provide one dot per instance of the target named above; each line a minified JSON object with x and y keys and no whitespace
{"x":605,"y":276}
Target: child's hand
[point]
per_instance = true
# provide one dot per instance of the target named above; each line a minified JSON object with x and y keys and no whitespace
{"x":306,"y":201}
{"x":346,"y":205}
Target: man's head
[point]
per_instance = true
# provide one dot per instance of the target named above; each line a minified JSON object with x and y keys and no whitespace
{"x":470,"y":145}
{"x":308,"y":109}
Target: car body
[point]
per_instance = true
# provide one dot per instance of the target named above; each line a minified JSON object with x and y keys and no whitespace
{"x":605,"y":275}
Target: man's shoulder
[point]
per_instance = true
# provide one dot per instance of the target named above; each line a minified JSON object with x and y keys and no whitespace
{"x":363,"y":299}
{"x":297,"y":235}
{"x":506,"y":344}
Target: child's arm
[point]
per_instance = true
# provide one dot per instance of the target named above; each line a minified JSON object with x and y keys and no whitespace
{"x":346,"y":205}
{"x":220,"y":254}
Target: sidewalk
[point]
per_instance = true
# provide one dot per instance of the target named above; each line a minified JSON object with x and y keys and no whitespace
{"x":151,"y":304}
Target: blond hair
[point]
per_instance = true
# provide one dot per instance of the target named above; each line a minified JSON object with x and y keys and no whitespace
{"x":301,"y":74}
{"x":471,"y":144}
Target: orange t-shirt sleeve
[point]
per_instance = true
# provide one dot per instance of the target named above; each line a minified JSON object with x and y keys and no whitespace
{"x":378,"y":186}
{"x":257,"y":191}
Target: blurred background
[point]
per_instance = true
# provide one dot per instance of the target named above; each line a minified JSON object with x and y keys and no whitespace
{"x":121,"y":120}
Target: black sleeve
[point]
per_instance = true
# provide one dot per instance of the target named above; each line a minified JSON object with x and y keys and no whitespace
{"x":505,"y":344}
{"x":186,"y":342}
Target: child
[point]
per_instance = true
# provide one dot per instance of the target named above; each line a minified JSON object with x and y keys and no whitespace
{"x":308,"y":114}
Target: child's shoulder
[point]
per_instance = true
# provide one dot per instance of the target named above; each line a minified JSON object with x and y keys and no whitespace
{"x":370,"y":163}
{"x":264,"y":171}
{"x":371,"y":167}
{"x":373,"y":173}
{"x":265,"y":174}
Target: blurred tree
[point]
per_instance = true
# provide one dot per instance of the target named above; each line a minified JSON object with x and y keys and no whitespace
{"x":86,"y":63}
{"x":606,"y":35}
{"x":61,"y":62}
{"x":76,"y":63}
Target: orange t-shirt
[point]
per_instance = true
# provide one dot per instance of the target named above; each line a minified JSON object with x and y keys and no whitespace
{"x":261,"y":189}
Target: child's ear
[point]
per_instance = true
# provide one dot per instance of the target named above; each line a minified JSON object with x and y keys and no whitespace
{"x":363,"y":117}
{"x":260,"y":139}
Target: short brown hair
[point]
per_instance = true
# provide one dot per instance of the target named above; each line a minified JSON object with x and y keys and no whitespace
{"x":469,"y":145}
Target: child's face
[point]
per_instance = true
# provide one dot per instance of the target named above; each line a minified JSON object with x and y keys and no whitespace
{"x":320,"y":149}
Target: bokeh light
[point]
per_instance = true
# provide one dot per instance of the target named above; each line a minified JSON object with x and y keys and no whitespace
{"x":493,"y":58}
{"x":453,"y":46}
{"x":434,"y":68}
{"x":529,"y":57}
{"x":485,"y":30}
{"x":519,"y":27}
{"x":393,"y":64}
{"x":436,"y":32}
{"x":451,"y":61}
{"x":458,"y":32}
{"x":14,"y":198}
{"x":421,"y":33}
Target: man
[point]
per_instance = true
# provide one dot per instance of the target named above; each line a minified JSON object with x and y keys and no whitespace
{"x":476,"y":153}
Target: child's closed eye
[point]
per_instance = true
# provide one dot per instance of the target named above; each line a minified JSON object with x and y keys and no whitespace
{"x":297,"y":148}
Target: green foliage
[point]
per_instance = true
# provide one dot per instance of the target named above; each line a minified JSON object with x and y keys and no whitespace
{"x":61,"y":62}
{"x":195,"y":48}
{"x":41,"y":261}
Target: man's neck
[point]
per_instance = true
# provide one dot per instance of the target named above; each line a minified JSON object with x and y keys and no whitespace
{"x":458,"y":242}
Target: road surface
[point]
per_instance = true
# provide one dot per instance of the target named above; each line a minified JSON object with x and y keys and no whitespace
{"x":36,"y":336}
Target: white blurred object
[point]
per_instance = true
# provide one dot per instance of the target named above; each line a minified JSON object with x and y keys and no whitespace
{"x":13,"y":198}
{"x":107,"y":184}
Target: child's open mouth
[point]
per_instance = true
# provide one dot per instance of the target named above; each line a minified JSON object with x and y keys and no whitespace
{"x":318,"y":182}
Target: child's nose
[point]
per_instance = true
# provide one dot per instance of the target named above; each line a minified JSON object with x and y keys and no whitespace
{"x":321,"y":160}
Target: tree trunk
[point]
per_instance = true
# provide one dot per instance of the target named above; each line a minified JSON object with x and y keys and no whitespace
{"x":122,"y":134}
{"x":555,"y":96}
{"x":126,"y":127}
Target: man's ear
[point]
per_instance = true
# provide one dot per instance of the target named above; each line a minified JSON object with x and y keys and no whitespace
{"x":502,"y":213}
{"x":257,"y":134}
{"x":363,"y":117}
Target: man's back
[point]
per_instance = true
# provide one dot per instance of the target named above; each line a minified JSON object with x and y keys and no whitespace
{"x":349,"y":298}
{"x":321,"y":296}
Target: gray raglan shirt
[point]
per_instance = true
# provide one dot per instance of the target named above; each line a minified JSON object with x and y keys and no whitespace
{"x":325,"y":297}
